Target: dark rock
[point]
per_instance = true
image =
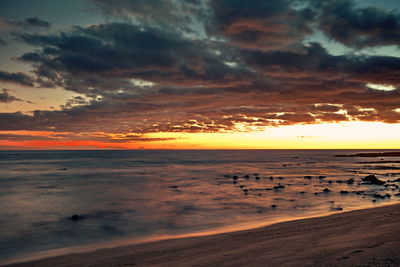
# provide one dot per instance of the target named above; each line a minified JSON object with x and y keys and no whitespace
{"x":271,"y":178}
{"x":76,"y":217}
{"x":397,"y":180}
{"x":281,"y":178}
{"x":307,"y":177}
{"x":235,"y":177}
{"x":241,"y":186}
{"x":350,"y":181}
{"x":255,"y":174}
{"x":382,"y":196}
{"x":326,"y":190}
{"x":257,"y":178}
{"x":337,"y":208}
{"x":246,"y":176}
{"x":173,"y":186}
{"x":273,"y":206}
{"x":373,"y":180}
{"x":63,"y":169}
{"x":226,"y":176}
{"x":344,"y":192}
{"x":330,"y":182}
{"x":397,"y":195}
{"x":321,"y":177}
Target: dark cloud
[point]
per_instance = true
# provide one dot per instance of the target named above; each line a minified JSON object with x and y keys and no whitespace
{"x":185,"y":15}
{"x":16,"y":77}
{"x":253,"y":70}
{"x":264,"y":25}
{"x":88,"y":57}
{"x":27,"y":24}
{"x":357,"y":27}
{"x":6,"y":97}
{"x":36,"y":22}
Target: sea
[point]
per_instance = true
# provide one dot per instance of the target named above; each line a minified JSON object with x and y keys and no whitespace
{"x":125,"y":197}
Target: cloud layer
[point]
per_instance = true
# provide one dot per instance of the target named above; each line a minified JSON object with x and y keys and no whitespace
{"x":210,"y":66}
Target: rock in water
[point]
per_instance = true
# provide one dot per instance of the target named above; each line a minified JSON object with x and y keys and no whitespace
{"x":76,"y":217}
{"x":373,"y":180}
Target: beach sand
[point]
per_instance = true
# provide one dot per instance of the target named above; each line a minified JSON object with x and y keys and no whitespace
{"x":368,"y":237}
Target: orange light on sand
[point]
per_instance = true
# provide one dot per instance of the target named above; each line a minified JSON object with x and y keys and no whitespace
{"x":346,"y":135}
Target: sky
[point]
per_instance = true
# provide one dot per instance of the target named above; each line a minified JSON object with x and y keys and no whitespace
{"x":199,"y":74}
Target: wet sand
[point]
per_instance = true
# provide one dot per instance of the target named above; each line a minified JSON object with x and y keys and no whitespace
{"x":368,"y":237}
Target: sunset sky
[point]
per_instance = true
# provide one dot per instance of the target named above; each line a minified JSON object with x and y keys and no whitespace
{"x":199,"y":74}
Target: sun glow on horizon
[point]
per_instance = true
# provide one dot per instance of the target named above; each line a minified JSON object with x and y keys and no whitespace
{"x":345,"y":135}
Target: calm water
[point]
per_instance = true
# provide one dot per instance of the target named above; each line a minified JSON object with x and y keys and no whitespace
{"x":140,"y":194}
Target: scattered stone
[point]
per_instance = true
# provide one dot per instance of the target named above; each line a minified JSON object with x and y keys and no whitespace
{"x":255,"y":174}
{"x":257,"y":177}
{"x":241,"y":186}
{"x":273,"y":206}
{"x":397,"y":195}
{"x":173,"y":186}
{"x":321,"y":177}
{"x":235,"y":177}
{"x":326,"y":190}
{"x":329,"y":182}
{"x":246,"y":176}
{"x":307,"y":177}
{"x":343,"y":192}
{"x":337,"y":208}
{"x":373,"y":180}
{"x":271,"y":178}
{"x":76,"y":217}
{"x":350,"y":181}
{"x":382,"y":196}
{"x":226,"y":176}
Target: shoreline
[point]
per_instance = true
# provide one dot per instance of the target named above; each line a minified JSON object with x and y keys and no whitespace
{"x":212,"y":246}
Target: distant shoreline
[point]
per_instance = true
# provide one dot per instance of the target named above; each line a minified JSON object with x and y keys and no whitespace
{"x":382,"y":154}
{"x":367,"y":237}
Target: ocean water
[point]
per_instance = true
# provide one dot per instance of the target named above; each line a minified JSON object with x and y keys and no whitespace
{"x":143,"y":194}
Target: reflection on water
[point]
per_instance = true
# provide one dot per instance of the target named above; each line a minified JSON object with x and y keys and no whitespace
{"x":143,"y":194}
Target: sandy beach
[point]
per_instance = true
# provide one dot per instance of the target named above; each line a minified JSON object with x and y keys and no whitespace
{"x":368,"y":237}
